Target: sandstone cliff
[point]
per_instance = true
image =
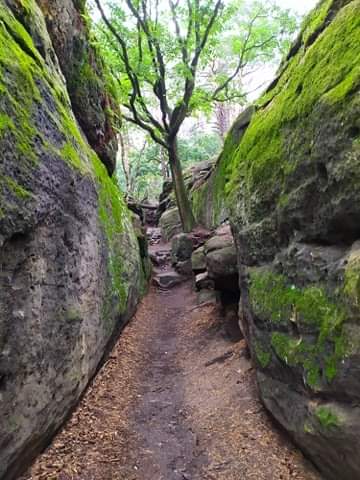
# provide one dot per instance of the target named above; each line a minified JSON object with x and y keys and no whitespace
{"x":291,"y":181}
{"x":71,"y":271}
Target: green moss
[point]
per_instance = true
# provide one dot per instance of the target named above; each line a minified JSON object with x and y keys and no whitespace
{"x":22,"y":70}
{"x":73,"y":315}
{"x":18,"y":64}
{"x":327,"y":418}
{"x":352,"y":280}
{"x":341,"y":349}
{"x":26,"y":84}
{"x":19,"y":34}
{"x":12,"y":194}
{"x":273,"y":299}
{"x":325,"y":73}
{"x":263,"y":356}
{"x":115,"y":219}
{"x":16,"y":189}
{"x":90,"y":78}
{"x":6,"y":122}
{"x":270,"y":297}
{"x":297,"y":352}
{"x":315,"y":20}
{"x":71,"y":156}
{"x":80,"y":5}
{"x":308,"y":428}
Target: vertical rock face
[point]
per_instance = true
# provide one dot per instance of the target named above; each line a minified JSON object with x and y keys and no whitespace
{"x":89,"y":87}
{"x":70,"y":266}
{"x":293,"y":190}
{"x":291,"y":182}
{"x":208,"y":197}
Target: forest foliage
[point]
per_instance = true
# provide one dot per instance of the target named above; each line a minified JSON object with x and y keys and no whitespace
{"x":176,"y":60}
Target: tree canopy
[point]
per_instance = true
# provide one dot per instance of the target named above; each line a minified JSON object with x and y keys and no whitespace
{"x":174,"y":58}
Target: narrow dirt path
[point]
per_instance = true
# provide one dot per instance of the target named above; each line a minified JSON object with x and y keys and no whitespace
{"x":176,"y":400}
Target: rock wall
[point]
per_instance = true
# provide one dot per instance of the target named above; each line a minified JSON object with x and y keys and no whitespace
{"x":292,"y":188}
{"x":89,"y":86}
{"x":208,"y":196}
{"x":71,"y":270}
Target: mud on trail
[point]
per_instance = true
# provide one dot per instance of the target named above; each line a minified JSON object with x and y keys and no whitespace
{"x":176,"y":400}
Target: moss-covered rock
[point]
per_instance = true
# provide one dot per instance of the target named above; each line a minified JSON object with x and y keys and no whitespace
{"x":291,"y":186}
{"x":208,"y":196}
{"x":170,"y":223}
{"x":302,"y":147}
{"x":70,"y":263}
{"x":91,"y":90}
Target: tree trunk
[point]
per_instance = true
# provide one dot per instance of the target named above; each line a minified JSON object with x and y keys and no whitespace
{"x":164,"y":164}
{"x":182,"y":198}
{"x":125,"y":166}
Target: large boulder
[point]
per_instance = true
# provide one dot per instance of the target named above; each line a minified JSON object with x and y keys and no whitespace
{"x":170,"y":223}
{"x":294,"y":198}
{"x":198,"y":260}
{"x":218,"y":242}
{"x":216,"y":260}
{"x":71,"y":271}
{"x":222,"y":263}
{"x":222,"y":268}
{"x":181,"y":248}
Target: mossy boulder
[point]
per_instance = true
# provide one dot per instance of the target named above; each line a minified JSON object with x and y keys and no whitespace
{"x":198,"y":260}
{"x":292,"y":190}
{"x":71,"y":269}
{"x":297,"y":167}
{"x":170,"y":223}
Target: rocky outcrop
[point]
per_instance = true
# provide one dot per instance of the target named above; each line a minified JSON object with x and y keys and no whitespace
{"x":289,"y":178}
{"x":208,"y":194}
{"x":89,"y":85}
{"x":198,"y":260}
{"x":170,"y":223}
{"x":215,"y":263}
{"x":181,"y":248}
{"x":70,"y":265}
{"x":292,"y":186}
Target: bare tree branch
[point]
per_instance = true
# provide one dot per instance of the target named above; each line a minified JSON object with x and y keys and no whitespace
{"x":136,"y":95}
{"x":241,"y":63}
{"x":158,"y":62}
{"x":181,"y":41}
{"x":146,"y":127}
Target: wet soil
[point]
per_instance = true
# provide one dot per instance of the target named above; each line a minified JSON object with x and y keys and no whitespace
{"x":176,"y":400}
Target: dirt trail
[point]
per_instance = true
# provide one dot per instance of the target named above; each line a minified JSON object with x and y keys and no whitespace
{"x":176,"y":400}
